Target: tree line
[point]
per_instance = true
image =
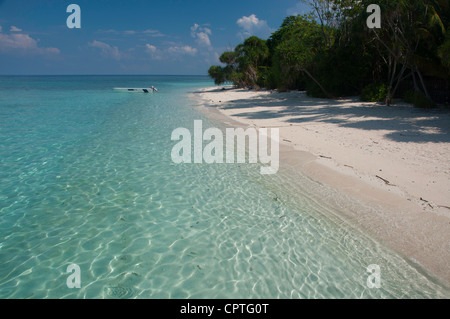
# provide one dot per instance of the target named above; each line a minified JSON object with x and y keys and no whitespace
{"x":331,"y":53}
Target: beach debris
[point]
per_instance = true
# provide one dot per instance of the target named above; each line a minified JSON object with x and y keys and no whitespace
{"x":425,"y":201}
{"x":385,"y":181}
{"x":348,"y":166}
{"x":276,"y":198}
{"x":287,"y":141}
{"x":327,"y":157}
{"x":441,"y":206}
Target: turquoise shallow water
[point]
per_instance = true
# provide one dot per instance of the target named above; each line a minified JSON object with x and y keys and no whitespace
{"x":86,"y":178}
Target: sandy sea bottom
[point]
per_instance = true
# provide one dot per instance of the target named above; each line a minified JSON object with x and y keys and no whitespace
{"x":87,"y":178}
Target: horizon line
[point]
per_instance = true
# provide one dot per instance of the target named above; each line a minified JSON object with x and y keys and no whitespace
{"x":104,"y":75}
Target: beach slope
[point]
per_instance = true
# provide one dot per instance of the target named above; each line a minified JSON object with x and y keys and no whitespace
{"x":396,"y":159}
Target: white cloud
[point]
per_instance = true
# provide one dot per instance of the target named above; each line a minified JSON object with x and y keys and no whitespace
{"x":251,"y":25}
{"x":201,"y":35}
{"x":154,"y":52}
{"x":153,"y":33}
{"x":148,"y":32}
{"x":203,"y":39}
{"x":15,"y":29}
{"x":184,"y":50}
{"x":24,"y":44}
{"x":107,"y":50}
{"x":194,"y":29}
{"x":150,"y":48}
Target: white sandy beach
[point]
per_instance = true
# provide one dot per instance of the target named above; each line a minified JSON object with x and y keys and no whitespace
{"x":396,"y":159}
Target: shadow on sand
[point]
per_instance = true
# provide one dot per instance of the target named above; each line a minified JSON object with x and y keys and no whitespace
{"x":404,"y":123}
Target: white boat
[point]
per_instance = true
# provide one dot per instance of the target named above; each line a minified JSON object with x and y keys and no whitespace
{"x":135,"y":90}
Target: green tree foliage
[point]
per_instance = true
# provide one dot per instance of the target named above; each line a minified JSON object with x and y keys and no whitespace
{"x":293,"y":48}
{"x":246,"y":66}
{"x":444,"y":50}
{"x":412,"y":33}
{"x":331,"y":51}
{"x":252,"y":59}
{"x":217,"y":73}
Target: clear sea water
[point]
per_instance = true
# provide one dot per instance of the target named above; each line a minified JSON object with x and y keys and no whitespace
{"x":86,"y":178}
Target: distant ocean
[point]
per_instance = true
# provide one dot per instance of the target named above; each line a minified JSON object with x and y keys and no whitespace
{"x":86,"y":178}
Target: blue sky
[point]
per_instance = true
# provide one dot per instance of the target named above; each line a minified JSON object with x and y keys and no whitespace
{"x":131,"y":37}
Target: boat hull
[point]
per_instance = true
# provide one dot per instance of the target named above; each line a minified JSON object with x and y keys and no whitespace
{"x":133,"y":90}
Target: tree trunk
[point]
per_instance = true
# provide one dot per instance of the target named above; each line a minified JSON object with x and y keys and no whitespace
{"x":328,"y":95}
{"x":423,"y":84}
{"x":391,"y":83}
{"x":416,"y":87}
{"x":399,"y":79}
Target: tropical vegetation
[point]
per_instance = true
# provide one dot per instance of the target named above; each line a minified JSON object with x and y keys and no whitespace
{"x":331,"y":52}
